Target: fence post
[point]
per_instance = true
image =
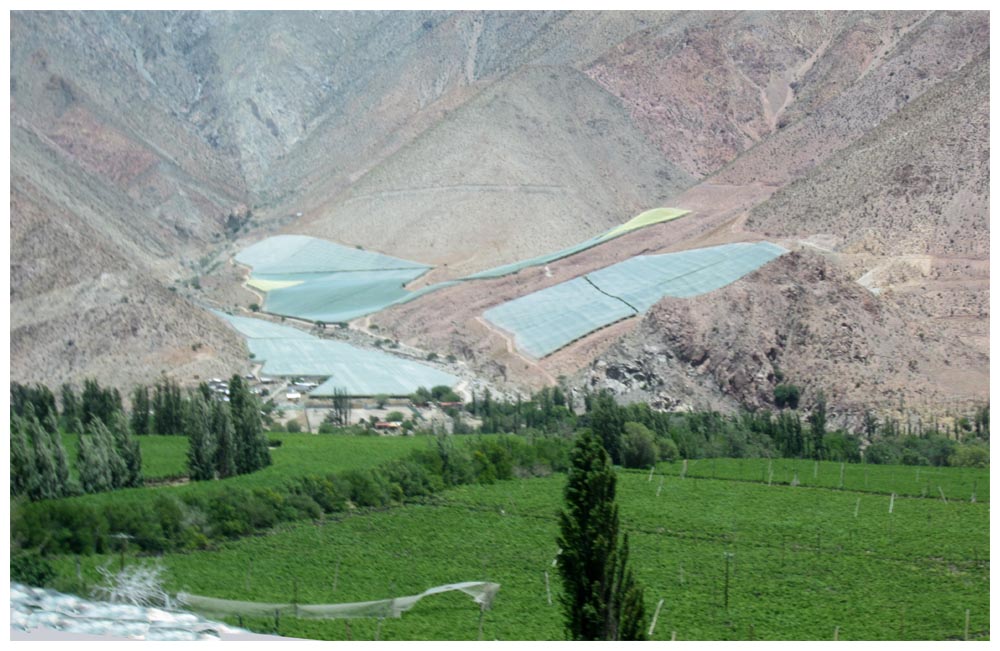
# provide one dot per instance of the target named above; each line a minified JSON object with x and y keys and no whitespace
{"x":656,"y":614}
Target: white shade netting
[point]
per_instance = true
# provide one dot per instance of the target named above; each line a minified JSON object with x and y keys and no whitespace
{"x":482,"y":593}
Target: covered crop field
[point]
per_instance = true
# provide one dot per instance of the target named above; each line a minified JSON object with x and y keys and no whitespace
{"x":316,"y":280}
{"x":287,"y":351}
{"x":294,"y":254}
{"x":545,"y":321}
{"x":549,"y":319}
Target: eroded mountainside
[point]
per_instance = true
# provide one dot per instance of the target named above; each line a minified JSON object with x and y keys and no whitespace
{"x":148,"y":147}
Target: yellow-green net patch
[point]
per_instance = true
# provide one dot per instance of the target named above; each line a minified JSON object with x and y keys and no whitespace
{"x":648,"y":218}
{"x":268,"y":285}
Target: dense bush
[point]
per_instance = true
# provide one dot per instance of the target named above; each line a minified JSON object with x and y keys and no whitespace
{"x":638,"y":447}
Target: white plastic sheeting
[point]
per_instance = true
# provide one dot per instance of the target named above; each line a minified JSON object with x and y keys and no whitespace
{"x":482,"y":593}
{"x":37,"y":609}
{"x":544,"y":321}
{"x":287,"y":351}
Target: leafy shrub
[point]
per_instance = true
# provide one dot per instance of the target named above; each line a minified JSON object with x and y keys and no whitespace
{"x":971,"y":456}
{"x":668,"y":450}
{"x":293,"y":427}
{"x":786,"y":395}
{"x":638,"y":448}
{"x":30,"y":568}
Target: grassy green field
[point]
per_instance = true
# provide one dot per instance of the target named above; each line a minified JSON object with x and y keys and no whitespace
{"x":926,"y":481}
{"x":163,"y":457}
{"x":299,"y":455}
{"x":805,"y":561}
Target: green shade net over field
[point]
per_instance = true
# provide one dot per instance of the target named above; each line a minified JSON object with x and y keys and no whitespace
{"x":316,"y":280}
{"x":287,"y":351}
{"x":549,"y":319}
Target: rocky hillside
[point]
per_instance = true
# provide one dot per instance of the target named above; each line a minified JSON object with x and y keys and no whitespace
{"x":148,"y":147}
{"x":733,"y":346}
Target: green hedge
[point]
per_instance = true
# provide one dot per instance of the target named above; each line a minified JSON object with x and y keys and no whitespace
{"x":198,"y":519}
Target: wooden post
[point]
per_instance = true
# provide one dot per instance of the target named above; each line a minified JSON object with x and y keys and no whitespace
{"x":295,"y":595}
{"x":277,"y":620}
{"x":239,"y":620}
{"x":378,"y":629}
{"x":656,"y":614}
{"x":841,"y":475}
{"x":651,"y":468}
{"x":684,"y":468}
{"x":548,"y":592}
{"x":892,"y":500}
{"x":347,"y":628}
{"x":770,"y":472}
{"x":945,"y":499}
{"x":673,"y":636}
{"x":836,"y":633}
{"x":857,"y":506}
{"x":660,"y":487}
{"x":482,"y":610}
{"x":966,"y":637}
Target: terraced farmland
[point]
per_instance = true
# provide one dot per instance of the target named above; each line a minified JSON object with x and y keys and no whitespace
{"x":804,"y":563}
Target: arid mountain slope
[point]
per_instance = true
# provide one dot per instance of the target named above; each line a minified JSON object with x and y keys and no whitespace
{"x":545,"y":157}
{"x":732,"y":346}
{"x":147,"y":147}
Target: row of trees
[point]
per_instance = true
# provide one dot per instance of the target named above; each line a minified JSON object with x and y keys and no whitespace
{"x":107,"y":457}
{"x":225,"y":439}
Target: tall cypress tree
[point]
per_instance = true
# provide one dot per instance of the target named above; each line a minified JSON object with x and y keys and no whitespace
{"x":601,"y":600}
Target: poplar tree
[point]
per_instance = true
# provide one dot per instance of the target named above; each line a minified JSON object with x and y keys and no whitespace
{"x":608,"y":422}
{"x":251,"y":449}
{"x":201,"y":443}
{"x":140,"y":419}
{"x":45,"y":482}
{"x":222,"y":432}
{"x":127,"y":449}
{"x":59,"y":459}
{"x":70,"y":406}
{"x":97,"y":465}
{"x":22,"y":462}
{"x":601,"y":599}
